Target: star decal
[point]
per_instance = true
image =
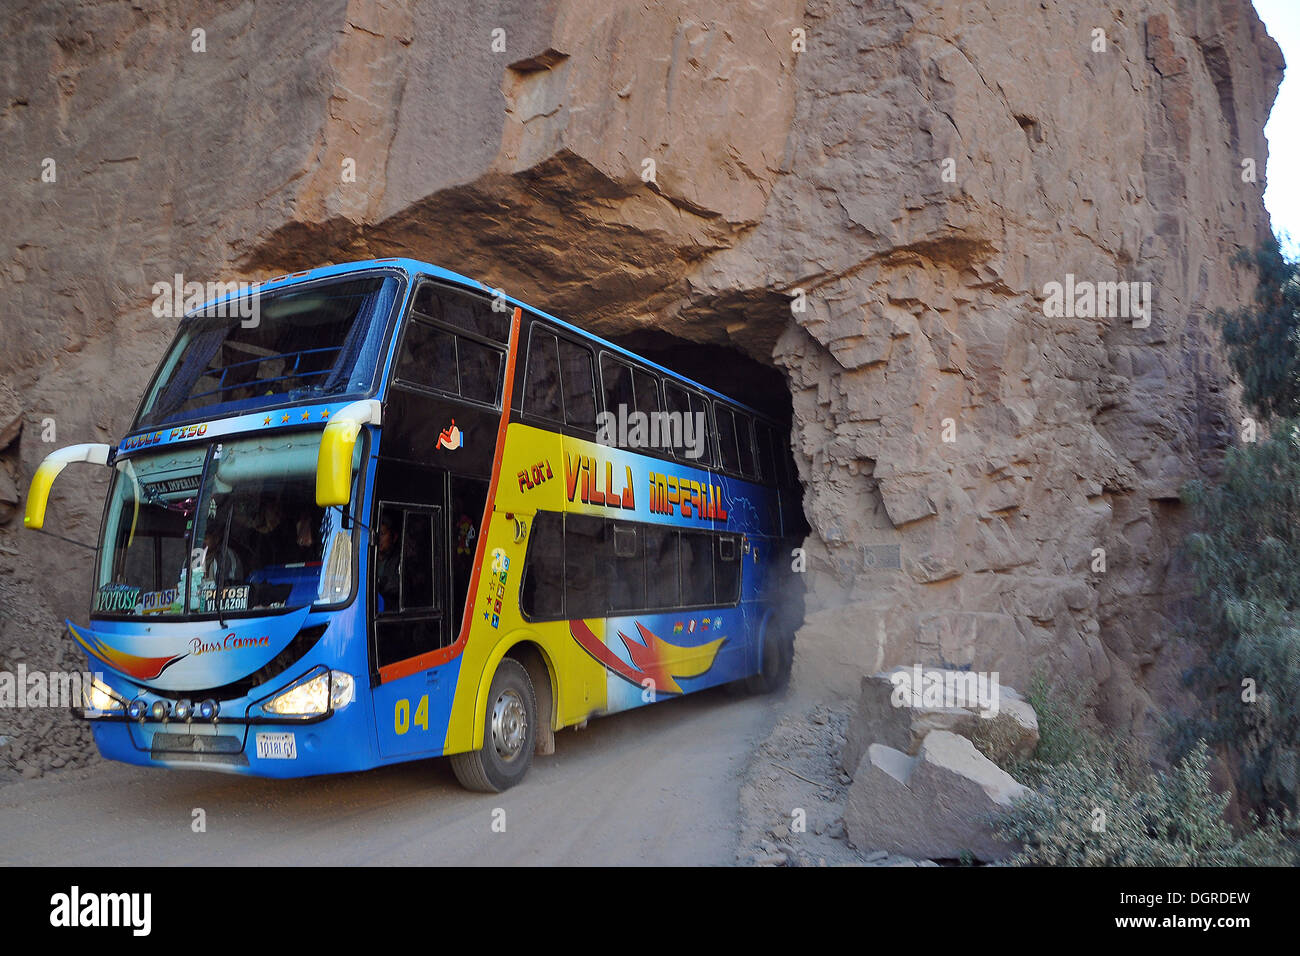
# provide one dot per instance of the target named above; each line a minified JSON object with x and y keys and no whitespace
{"x":285,"y":419}
{"x":325,"y":414}
{"x":306,"y":416}
{"x":267,"y":421}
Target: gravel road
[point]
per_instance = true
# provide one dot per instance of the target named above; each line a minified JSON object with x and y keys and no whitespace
{"x":659,"y":785}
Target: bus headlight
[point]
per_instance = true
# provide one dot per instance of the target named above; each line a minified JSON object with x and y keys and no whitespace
{"x":316,"y":695}
{"x":96,"y":698}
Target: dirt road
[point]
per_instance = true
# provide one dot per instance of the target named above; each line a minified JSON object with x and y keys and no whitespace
{"x":655,"y":786}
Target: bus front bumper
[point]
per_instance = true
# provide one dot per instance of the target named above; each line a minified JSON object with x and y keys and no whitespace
{"x":337,"y":742}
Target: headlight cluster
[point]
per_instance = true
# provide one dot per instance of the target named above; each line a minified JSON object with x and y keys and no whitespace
{"x":314,"y":696}
{"x":96,"y":698}
{"x":184,"y":710}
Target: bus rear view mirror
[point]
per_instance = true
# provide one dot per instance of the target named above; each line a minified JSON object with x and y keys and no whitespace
{"x":334,"y":464}
{"x":39,"y":494}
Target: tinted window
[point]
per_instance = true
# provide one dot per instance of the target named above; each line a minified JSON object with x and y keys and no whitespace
{"x":464,"y":311}
{"x":699,"y":433}
{"x":745,"y":444}
{"x":542,"y":379}
{"x":697,"y":568}
{"x":587,"y":557}
{"x":307,"y":343}
{"x":628,"y":572}
{"x":480,"y":371}
{"x":429,"y":358}
{"x":767,"y":453}
{"x":418,"y":580}
{"x":617,"y":380}
{"x":541,"y":595}
{"x":726,"y":569}
{"x":679,"y":404}
{"x":647,"y":391}
{"x":578,"y":381}
{"x":692,"y":409}
{"x":661,"y":567}
{"x":727,"y":437}
{"x":408,"y":570}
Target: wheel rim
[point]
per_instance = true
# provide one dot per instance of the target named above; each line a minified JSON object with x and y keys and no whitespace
{"x":509,"y":725}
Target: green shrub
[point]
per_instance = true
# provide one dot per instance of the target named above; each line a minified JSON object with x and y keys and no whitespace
{"x":1083,"y":813}
{"x":1247,"y":616}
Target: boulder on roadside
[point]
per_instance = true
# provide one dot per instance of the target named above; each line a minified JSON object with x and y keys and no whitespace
{"x":936,"y":805}
{"x":887,"y":715}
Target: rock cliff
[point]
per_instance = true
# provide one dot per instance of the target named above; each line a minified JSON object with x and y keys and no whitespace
{"x":872,"y":198}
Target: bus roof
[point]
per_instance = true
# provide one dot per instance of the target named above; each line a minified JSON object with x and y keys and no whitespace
{"x":414,"y":266}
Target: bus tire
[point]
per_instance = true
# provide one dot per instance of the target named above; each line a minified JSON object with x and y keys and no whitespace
{"x":509,"y":734}
{"x":778,"y":658}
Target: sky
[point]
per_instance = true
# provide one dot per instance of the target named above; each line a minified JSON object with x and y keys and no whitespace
{"x":1282,"y":197}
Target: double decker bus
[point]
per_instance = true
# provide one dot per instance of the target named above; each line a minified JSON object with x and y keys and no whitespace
{"x":399,"y":515}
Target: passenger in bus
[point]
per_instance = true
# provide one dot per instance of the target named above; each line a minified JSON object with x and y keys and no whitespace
{"x":307,"y":540}
{"x":218,"y":560}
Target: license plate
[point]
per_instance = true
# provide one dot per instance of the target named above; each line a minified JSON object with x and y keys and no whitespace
{"x":276,"y":747}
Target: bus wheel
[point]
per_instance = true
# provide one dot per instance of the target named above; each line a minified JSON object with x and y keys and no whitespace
{"x":778,"y":656}
{"x":509,"y":734}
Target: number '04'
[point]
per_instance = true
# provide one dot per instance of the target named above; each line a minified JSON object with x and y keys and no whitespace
{"x":402,"y":715}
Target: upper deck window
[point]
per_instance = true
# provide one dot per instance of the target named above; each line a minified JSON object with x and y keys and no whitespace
{"x":322,"y":341}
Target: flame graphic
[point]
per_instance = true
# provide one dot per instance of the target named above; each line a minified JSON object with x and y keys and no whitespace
{"x":141,"y":668}
{"x":653,"y":658}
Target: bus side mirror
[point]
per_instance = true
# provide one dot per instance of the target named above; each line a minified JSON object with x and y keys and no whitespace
{"x":38,"y":496}
{"x":334,"y":463}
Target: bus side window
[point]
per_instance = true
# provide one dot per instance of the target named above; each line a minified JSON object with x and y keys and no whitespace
{"x":679,"y":404}
{"x":428,"y":358}
{"x":463,"y":310}
{"x":727,"y":437}
{"x":542,"y":378}
{"x":697,"y":568}
{"x":700,"y":409}
{"x":578,"y":378}
{"x":616,"y":379}
{"x":627,"y":574}
{"x":745,"y":444}
{"x":647,"y":392}
{"x":587,"y":558}
{"x":661,"y":568}
{"x":419,"y":591}
{"x":726,"y":570}
{"x":541,"y":593}
{"x":480,"y":372}
{"x":767,"y":461}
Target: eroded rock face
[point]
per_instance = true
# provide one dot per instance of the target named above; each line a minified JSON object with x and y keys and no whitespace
{"x":922,"y":307}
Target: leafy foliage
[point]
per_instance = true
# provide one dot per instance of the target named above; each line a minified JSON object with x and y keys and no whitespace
{"x":1084,"y":813}
{"x":1248,"y":613}
{"x":1264,"y":339}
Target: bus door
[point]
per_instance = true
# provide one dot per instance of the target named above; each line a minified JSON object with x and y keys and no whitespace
{"x":410,"y":583}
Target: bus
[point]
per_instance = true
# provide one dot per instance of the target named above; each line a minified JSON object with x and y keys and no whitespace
{"x":398,"y":514}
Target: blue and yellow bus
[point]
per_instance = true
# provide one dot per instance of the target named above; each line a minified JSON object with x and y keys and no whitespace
{"x":399,"y":515}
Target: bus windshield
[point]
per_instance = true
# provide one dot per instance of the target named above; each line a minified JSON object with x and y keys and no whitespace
{"x":223,"y":528}
{"x":300,"y":344}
